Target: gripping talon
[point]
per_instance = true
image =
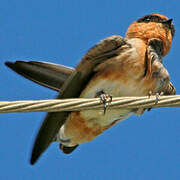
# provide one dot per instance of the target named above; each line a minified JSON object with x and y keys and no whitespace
{"x":105,"y":99}
{"x":105,"y":107}
{"x":149,"y":95}
{"x":158,"y":95}
{"x":157,"y":98}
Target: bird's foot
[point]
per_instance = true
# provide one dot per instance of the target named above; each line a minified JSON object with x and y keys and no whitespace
{"x":157,"y":97}
{"x":105,"y":99}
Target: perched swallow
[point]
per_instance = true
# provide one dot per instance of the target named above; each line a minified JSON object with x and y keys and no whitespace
{"x":130,"y":66}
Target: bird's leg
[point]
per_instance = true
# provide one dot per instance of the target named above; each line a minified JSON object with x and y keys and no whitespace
{"x":104,"y":98}
{"x":157,"y":97}
{"x":149,"y":95}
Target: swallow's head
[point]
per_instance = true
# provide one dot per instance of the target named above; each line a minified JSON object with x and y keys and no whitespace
{"x":153,"y":26}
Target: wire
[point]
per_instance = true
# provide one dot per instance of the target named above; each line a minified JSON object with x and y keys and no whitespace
{"x":78,"y":104}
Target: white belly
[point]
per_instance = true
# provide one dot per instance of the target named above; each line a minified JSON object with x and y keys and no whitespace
{"x":113,"y":88}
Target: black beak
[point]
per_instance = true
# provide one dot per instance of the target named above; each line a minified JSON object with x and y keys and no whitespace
{"x":168,"y":22}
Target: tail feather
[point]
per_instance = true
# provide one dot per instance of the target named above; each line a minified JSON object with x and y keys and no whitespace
{"x":46,"y":74}
{"x":51,"y":76}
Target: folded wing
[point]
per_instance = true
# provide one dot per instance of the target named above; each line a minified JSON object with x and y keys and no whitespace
{"x":72,"y":88}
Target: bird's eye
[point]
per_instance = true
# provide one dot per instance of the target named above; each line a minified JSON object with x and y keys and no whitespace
{"x":147,"y":19}
{"x":150,"y":18}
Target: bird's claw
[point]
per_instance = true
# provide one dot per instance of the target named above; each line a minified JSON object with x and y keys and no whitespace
{"x":157,"y":97}
{"x":150,"y":94}
{"x":105,"y":99}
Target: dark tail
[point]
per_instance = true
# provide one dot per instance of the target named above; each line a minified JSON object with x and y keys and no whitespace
{"x":46,"y":74}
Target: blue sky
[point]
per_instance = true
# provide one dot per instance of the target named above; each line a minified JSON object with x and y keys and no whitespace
{"x":61,"y":31}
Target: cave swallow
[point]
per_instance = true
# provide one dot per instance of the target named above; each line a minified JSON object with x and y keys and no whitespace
{"x":130,"y":66}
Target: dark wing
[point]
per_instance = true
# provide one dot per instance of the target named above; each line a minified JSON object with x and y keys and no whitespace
{"x":153,"y":53}
{"x":49,"y":75}
{"x":72,"y":88}
{"x":53,"y":121}
{"x":170,"y":90}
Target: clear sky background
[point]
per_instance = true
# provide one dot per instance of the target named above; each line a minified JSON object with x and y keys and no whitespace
{"x":61,"y":31}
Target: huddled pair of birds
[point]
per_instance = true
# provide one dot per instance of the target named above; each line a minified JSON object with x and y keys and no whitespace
{"x":116,"y":66}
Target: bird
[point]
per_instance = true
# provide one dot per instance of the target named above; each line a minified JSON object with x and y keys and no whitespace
{"x":116,"y":66}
